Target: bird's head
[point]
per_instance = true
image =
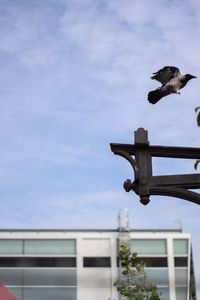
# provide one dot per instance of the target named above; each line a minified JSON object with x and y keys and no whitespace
{"x":189,"y":76}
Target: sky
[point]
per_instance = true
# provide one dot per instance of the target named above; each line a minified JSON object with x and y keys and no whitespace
{"x":74,"y":78}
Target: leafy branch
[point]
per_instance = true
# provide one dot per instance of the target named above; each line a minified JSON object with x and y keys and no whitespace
{"x":134,"y":284}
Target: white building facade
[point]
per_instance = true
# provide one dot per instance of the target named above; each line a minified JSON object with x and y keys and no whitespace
{"x":82,"y":264}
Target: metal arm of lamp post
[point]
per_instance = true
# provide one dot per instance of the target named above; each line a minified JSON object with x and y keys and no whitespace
{"x":145,"y":184}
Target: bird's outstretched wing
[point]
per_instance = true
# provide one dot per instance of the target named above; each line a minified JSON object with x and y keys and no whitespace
{"x":165,"y":74}
{"x":156,"y":95}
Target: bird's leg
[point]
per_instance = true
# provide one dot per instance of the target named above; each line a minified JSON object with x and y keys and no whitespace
{"x":176,"y":92}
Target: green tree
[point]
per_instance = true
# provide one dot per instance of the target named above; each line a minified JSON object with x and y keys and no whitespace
{"x":134,"y":284}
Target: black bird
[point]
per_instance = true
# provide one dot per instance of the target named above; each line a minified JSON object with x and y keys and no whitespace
{"x":172,"y":81}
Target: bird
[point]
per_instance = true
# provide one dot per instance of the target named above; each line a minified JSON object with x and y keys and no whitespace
{"x":172,"y":81}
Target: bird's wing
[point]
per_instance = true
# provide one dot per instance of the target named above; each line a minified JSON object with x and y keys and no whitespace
{"x":156,"y":95}
{"x":165,"y":74}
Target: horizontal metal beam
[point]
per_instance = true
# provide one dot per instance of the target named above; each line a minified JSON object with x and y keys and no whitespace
{"x":158,"y":151}
{"x":186,"y":181}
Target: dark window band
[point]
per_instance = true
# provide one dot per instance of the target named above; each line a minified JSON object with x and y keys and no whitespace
{"x":152,"y":261}
{"x":180,"y":261}
{"x":28,"y":262}
{"x":97,"y":262}
{"x":157,"y":262}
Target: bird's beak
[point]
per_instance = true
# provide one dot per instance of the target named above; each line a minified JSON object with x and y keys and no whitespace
{"x":193,"y":76}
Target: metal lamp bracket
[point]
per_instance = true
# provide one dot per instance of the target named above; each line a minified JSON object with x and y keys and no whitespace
{"x":145,"y":184}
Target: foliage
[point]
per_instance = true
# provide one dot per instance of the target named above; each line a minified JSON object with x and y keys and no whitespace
{"x":134,"y":284}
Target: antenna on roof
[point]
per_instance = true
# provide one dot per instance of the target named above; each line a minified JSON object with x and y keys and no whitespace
{"x":123,"y":220}
{"x":178,"y":223}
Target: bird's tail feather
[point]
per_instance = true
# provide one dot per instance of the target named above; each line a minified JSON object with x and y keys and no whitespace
{"x":155,"y":96}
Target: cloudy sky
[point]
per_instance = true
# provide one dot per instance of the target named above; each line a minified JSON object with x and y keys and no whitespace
{"x":74,"y":77}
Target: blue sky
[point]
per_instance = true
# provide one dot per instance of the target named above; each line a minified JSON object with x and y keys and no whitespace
{"x":74,"y":77}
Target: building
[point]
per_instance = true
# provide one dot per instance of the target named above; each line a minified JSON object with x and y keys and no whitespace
{"x":82,"y":264}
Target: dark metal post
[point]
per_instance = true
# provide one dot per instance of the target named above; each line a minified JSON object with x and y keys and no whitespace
{"x":143,"y":161}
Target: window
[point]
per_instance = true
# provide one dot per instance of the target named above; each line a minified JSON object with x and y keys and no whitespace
{"x":50,"y":247}
{"x":49,"y":277}
{"x":11,"y":276}
{"x":38,"y":277}
{"x":149,"y":246}
{"x":97,"y":262}
{"x":28,"y":262}
{"x":181,"y":276}
{"x":42,"y":269}
{"x":14,"y":247}
{"x":160,"y":276}
{"x":45,"y":293}
{"x":181,"y":293}
{"x":152,"y":261}
{"x":180,"y":247}
{"x":164,"y":293}
{"x":38,"y":247}
{"x":180,"y":261}
{"x":17,"y":292}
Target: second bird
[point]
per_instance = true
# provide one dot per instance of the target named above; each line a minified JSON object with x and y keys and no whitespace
{"x":172,"y":81}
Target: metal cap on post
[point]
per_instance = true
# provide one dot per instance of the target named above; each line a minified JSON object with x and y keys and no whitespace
{"x":141,"y":137}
